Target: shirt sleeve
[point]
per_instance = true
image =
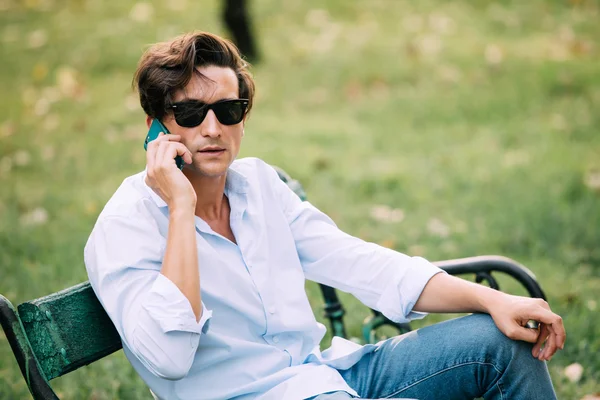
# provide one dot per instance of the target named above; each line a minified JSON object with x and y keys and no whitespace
{"x":123,"y":258}
{"x":381,"y":278}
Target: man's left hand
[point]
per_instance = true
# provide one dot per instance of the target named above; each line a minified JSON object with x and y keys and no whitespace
{"x":511,"y":313}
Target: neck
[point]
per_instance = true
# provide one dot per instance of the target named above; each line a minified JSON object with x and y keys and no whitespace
{"x":210,"y":195}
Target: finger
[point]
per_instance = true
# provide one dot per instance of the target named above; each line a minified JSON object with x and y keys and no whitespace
{"x":151,"y":150}
{"x":519,"y":332}
{"x":179,"y":149}
{"x":550,"y":348}
{"x":544,"y":332}
{"x":160,"y":153}
{"x":560,"y":332}
{"x":169,"y":150}
{"x":170,"y":137}
{"x":554,"y":322}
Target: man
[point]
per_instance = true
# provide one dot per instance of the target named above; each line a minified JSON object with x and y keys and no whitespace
{"x":202,"y":270}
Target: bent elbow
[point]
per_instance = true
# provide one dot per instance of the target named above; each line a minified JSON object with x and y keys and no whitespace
{"x":171,"y":360}
{"x":170,"y":371}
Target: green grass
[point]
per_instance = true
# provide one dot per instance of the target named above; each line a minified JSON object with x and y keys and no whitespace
{"x":478,"y":120}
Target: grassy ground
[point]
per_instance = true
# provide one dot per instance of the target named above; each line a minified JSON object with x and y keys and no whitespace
{"x":477,"y":122}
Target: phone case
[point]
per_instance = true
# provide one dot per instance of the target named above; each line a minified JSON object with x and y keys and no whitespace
{"x":155,"y":129}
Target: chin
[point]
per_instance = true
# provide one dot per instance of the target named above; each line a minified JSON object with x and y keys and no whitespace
{"x":214,"y":169}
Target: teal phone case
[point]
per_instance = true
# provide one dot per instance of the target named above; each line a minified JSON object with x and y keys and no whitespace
{"x":155,"y":129}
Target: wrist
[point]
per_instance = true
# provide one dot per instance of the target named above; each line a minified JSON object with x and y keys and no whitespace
{"x":182,"y":211}
{"x":491,"y":299}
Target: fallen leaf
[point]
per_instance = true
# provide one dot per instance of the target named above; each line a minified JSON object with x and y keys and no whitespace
{"x":379,"y":89}
{"x":29,"y":96}
{"x":40,"y":71}
{"x":383,"y":213}
{"x":68,"y":82}
{"x":353,"y":90}
{"x":413,"y":23}
{"x":429,"y":45}
{"x":592,"y":179}
{"x":574,"y":372}
{"x":558,"y":122}
{"x":37,"y":38}
{"x":42,"y":106}
{"x":317,"y":18}
{"x":7,"y":129}
{"x":448,"y":73}
{"x":438,"y":228}
{"x":493,"y":54}
{"x":515,"y":158}
{"x":51,"y":122}
{"x":5,"y":165}
{"x":177,"y":5}
{"x":389,"y":243}
{"x":595,"y":396}
{"x":91,"y":208}
{"x":441,"y":24}
{"x":21,"y":158}
{"x":48,"y":153}
{"x":52,"y":93}
{"x":141,"y":12}
{"x":416,"y":250}
{"x":37,"y":216}
{"x":132,"y":102}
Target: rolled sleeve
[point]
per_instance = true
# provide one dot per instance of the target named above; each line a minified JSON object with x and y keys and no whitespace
{"x":401,"y":294}
{"x":172,"y":310}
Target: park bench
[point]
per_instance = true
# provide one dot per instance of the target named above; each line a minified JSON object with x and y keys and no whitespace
{"x":58,"y":333}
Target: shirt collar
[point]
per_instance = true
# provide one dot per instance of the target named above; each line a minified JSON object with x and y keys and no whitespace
{"x":235,"y":182}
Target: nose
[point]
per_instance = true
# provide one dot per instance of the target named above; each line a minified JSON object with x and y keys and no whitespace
{"x":210,"y":127}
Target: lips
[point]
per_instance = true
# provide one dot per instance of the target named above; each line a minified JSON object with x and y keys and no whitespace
{"x":211,"y":149}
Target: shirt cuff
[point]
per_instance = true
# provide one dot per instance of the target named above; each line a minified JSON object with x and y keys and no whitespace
{"x":172,"y":310}
{"x":401,"y":295}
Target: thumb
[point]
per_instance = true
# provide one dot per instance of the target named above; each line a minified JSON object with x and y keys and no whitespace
{"x":527,"y":334}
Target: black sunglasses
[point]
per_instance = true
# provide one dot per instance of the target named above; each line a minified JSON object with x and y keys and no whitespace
{"x":191,"y":113}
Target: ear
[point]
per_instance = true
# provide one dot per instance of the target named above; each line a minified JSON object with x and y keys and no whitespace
{"x":148,"y":121}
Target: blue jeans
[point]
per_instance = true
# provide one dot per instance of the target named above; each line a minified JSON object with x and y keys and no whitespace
{"x":464,"y":358}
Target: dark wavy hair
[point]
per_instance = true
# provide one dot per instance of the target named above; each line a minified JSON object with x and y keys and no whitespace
{"x":167,"y":67}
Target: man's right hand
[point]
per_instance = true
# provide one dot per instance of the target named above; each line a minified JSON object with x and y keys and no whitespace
{"x":164,"y":177}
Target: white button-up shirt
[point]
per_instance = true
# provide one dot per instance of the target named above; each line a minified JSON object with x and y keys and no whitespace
{"x":257,"y":336}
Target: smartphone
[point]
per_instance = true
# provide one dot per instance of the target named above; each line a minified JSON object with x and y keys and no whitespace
{"x":155,"y":128}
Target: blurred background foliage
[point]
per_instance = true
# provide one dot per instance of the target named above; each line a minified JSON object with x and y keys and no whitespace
{"x":438,"y":128}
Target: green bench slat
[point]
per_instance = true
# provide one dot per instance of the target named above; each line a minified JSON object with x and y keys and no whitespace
{"x":68,"y":329}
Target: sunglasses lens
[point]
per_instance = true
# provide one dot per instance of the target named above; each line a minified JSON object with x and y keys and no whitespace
{"x":191,"y":114}
{"x":230,"y":112}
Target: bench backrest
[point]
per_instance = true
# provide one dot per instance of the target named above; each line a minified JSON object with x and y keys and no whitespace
{"x":68,"y":329}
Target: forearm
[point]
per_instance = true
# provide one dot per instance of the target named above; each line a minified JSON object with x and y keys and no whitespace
{"x":180,"y":263}
{"x":448,"y":294}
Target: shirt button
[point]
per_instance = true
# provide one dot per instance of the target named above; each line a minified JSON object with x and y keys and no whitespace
{"x":272,"y":310}
{"x":275,"y":339}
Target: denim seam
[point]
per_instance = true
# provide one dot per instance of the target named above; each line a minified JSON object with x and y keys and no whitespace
{"x":442,"y":371}
{"x":500,"y":389}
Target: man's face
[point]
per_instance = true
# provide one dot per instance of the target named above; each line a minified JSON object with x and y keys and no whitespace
{"x":218,"y":84}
